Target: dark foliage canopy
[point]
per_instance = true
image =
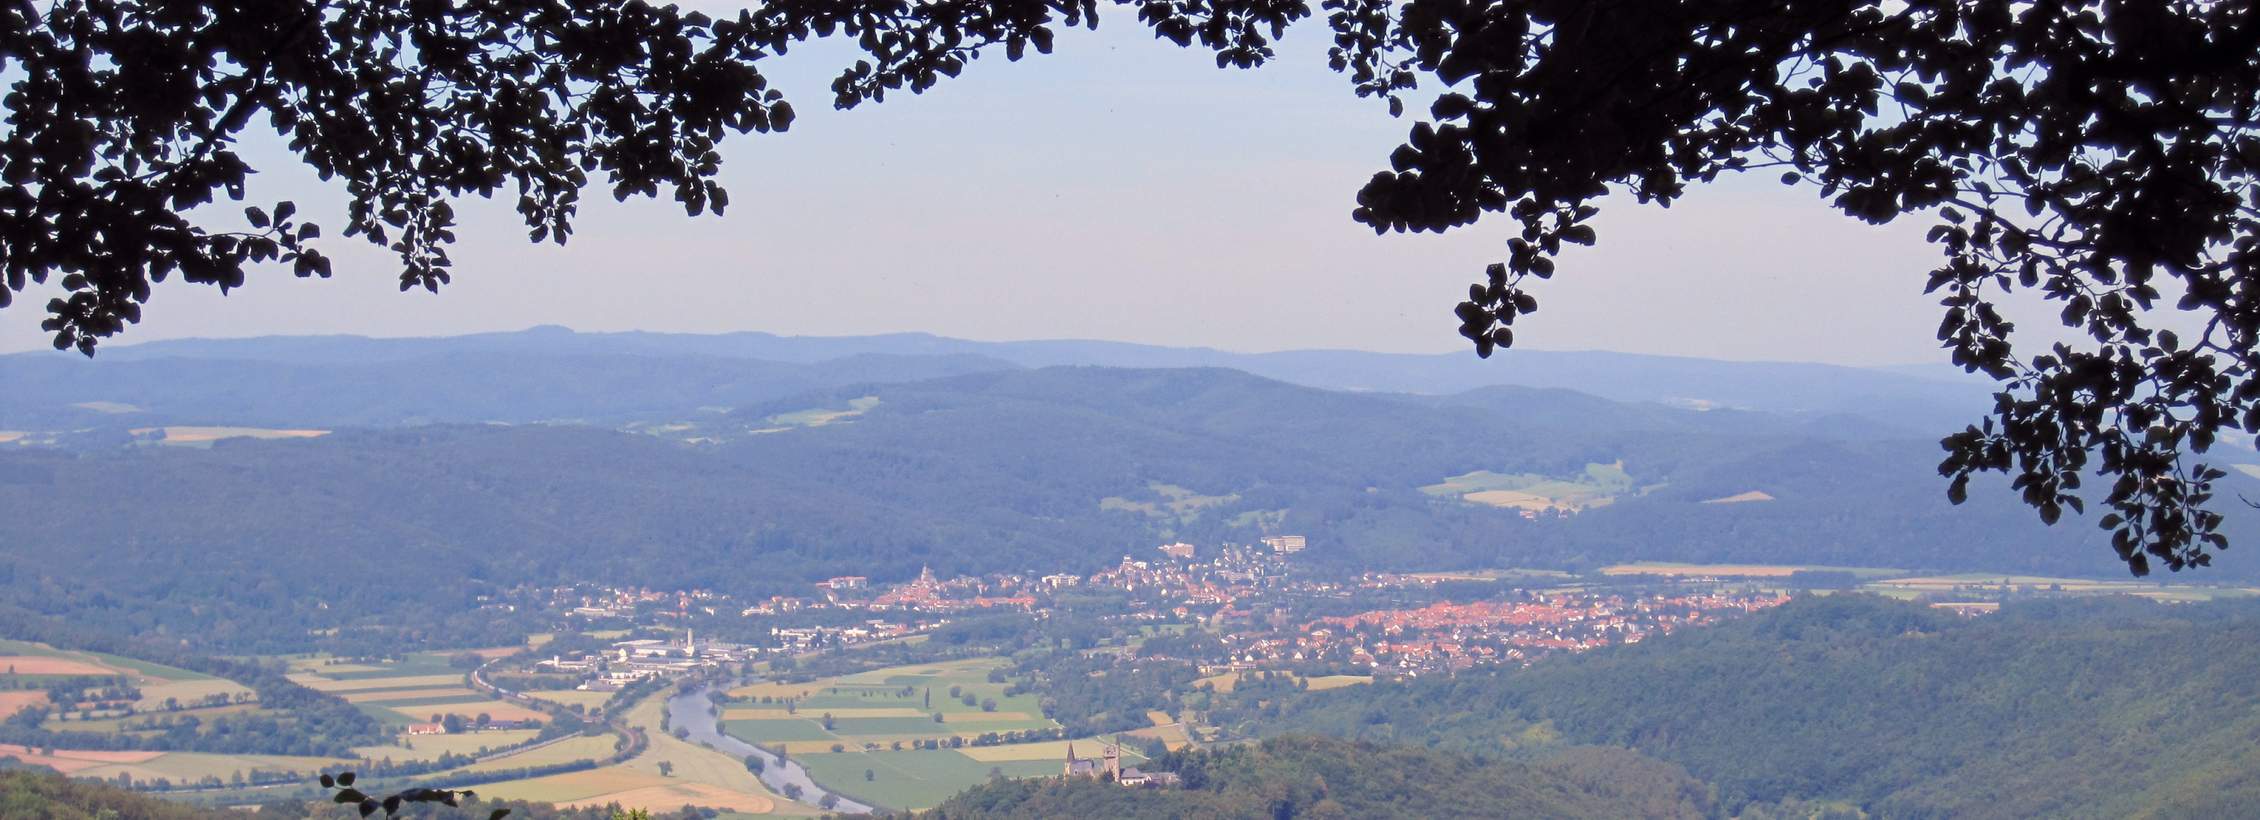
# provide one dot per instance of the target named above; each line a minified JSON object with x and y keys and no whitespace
{"x":2099,"y":152}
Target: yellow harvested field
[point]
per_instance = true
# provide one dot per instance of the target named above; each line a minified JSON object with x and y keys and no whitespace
{"x":10,"y":435}
{"x":430,"y":747}
{"x":386,"y":695}
{"x":1158,"y":718}
{"x":203,"y":435}
{"x":188,"y":766}
{"x":187,"y":692}
{"x":702,"y":777}
{"x":564,"y":751}
{"x":571,"y":786}
{"x":568,"y":697}
{"x":667,"y":797}
{"x":1172,"y":736}
{"x":1742,"y":498}
{"x":69,"y":761}
{"x":44,"y":665}
{"x":13,"y":702}
{"x":1225,"y":681}
{"x":495,"y":709}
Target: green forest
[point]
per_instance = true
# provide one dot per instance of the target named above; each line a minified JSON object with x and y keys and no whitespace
{"x":1311,"y":777}
{"x":1893,"y":707}
{"x":985,"y":472}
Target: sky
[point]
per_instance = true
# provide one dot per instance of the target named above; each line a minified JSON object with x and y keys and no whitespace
{"x":1120,"y":188}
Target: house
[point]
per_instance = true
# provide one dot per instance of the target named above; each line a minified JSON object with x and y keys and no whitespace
{"x":1136,"y":779}
{"x":426,"y":729}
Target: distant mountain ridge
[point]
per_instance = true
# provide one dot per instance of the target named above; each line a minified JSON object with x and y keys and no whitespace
{"x":1899,"y":395}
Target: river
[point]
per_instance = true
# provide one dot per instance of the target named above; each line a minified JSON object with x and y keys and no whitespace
{"x":688,"y":711}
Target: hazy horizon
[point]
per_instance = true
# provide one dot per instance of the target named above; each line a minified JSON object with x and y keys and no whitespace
{"x":1448,"y":351}
{"x":1121,"y":189}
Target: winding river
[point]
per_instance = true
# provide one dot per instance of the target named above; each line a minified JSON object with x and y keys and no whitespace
{"x":688,"y":711}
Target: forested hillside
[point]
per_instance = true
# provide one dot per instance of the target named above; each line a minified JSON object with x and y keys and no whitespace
{"x":1058,"y":469}
{"x":40,"y":793}
{"x":1321,"y":778}
{"x":1920,"y":398}
{"x":2057,"y":709}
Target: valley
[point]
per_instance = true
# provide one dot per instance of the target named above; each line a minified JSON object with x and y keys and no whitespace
{"x":736,"y":587}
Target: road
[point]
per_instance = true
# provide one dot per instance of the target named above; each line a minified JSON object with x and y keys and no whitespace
{"x":688,"y":712}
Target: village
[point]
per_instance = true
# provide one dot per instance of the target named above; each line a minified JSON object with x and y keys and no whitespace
{"x":1267,"y":612}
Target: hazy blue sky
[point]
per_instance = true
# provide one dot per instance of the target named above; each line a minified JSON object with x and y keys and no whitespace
{"x":1120,"y":189}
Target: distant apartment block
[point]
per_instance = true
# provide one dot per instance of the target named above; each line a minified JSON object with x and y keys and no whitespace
{"x":1284,"y":544}
{"x":1180,"y":551}
{"x":846,"y":582}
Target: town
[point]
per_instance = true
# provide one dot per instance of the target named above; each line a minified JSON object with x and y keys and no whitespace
{"x":1268,"y":612}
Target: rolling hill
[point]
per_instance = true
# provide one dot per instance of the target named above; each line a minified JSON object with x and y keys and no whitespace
{"x":1004,"y":470}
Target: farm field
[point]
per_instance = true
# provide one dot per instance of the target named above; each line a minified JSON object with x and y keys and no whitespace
{"x":165,"y":690}
{"x":571,"y":697}
{"x":204,"y":436}
{"x":175,"y":767}
{"x":580,"y":747}
{"x":875,"y":710}
{"x":1981,"y":582}
{"x":920,"y":779}
{"x":701,"y":777}
{"x":1599,"y":486}
{"x":1224,"y":682}
{"x":1739,"y":570}
{"x":880,"y":707}
{"x":431,"y":747}
{"x":418,"y":688}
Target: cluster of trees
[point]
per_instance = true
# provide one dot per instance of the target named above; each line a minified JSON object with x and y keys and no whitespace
{"x":1102,"y":693}
{"x":1319,"y":777}
{"x":79,"y":691}
{"x":2052,"y":708}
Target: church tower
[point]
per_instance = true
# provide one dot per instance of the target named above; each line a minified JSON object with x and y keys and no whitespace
{"x":1113,"y":756}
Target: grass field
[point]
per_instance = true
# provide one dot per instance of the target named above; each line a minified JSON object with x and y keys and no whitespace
{"x":820,"y":416}
{"x":153,"y":696}
{"x":569,"y":697}
{"x":1600,"y":485}
{"x":1935,"y":584}
{"x":1739,"y":570}
{"x":317,"y":682}
{"x":872,"y":708}
{"x":917,"y":779}
{"x":1167,"y":501}
{"x":396,"y":696}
